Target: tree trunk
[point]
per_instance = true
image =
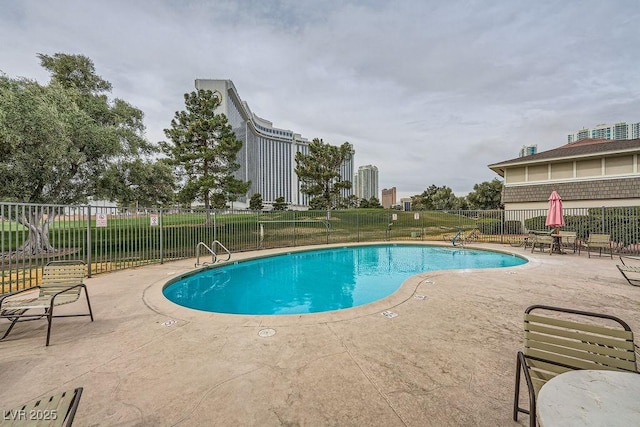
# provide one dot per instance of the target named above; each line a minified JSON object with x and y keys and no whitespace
{"x":207,"y":209}
{"x":37,"y":241}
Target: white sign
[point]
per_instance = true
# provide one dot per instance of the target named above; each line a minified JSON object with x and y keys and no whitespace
{"x":101,"y":220}
{"x":416,"y":216}
{"x":394,"y":217}
{"x":154,"y":220}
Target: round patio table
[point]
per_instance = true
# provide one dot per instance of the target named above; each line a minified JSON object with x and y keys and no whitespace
{"x":590,"y":398}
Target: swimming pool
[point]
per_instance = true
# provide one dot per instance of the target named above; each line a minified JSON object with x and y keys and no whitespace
{"x":320,"y":280}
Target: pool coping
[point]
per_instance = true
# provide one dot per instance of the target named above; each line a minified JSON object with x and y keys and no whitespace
{"x":155,"y":299}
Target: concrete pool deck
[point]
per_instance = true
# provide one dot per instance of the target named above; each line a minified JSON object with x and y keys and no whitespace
{"x":445,"y":360}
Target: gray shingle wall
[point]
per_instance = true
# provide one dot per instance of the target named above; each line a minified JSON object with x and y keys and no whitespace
{"x":624,"y":188}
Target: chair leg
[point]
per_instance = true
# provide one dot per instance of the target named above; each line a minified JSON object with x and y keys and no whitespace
{"x":13,"y":323}
{"x":516,"y":397}
{"x":50,"y":314}
{"x":521,"y":368}
{"x":49,"y":320}
{"x":86,"y":294}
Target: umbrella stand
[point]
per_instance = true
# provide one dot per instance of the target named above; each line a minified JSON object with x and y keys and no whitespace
{"x":555,"y":219}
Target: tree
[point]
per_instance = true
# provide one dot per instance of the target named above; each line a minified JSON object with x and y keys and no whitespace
{"x":424,"y":202}
{"x":203,"y":148}
{"x":255,"y":203}
{"x":364,"y":204}
{"x":374,"y":203}
{"x":486,"y":195}
{"x":351,"y":201}
{"x":319,"y":172}
{"x":279,"y":204}
{"x":218,"y":201}
{"x":437,"y":198}
{"x":144,"y":183}
{"x":59,"y":140}
{"x":444,"y":199}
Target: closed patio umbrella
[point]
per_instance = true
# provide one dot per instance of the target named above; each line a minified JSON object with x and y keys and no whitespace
{"x":555,"y":216}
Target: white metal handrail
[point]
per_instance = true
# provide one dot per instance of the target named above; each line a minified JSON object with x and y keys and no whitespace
{"x":223,"y":247}
{"x":214,"y":256}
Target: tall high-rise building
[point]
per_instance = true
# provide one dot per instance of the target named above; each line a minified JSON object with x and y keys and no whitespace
{"x":366,"y":182}
{"x":618,"y":131}
{"x":267,"y":157}
{"x":388,"y":197}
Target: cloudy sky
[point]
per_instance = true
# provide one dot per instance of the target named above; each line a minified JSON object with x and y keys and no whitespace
{"x":431,"y":92}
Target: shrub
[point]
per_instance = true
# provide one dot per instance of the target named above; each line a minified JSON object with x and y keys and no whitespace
{"x":490,"y":226}
{"x":512,"y":227}
{"x":535,"y":223}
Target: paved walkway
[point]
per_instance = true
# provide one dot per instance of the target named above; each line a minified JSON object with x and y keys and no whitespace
{"x":447,"y":360}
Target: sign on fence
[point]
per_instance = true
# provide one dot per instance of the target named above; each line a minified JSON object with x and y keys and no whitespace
{"x":416,"y":215}
{"x":154,"y":220}
{"x":101,"y":220}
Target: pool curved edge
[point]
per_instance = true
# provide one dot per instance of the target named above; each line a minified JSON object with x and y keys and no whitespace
{"x":405,"y":291}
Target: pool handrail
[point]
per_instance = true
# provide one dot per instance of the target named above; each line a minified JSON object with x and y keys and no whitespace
{"x":214,"y":256}
{"x":223,"y":247}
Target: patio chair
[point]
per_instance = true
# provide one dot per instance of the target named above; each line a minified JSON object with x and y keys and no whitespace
{"x":541,"y":241}
{"x":599,"y":242}
{"x":57,"y":410}
{"x":627,"y":270}
{"x":557,"y":340}
{"x":62,"y":283}
{"x":569,"y":240}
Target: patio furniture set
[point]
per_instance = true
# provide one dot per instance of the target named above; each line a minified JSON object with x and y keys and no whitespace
{"x":557,"y":241}
{"x":579,"y":369}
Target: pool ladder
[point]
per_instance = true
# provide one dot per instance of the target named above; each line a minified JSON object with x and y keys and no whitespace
{"x":214,"y":256}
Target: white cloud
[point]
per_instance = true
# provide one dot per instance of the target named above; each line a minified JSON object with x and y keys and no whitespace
{"x":429,"y":91}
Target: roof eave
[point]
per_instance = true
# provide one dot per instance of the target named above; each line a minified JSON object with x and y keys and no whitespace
{"x":525,"y":161}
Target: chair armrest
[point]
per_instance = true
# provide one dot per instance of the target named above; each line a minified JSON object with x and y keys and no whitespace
{"x":629,"y":257}
{"x":68,"y":289}
{"x":14,"y":293}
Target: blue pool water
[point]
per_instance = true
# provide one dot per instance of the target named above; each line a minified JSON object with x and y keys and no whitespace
{"x":320,"y":280}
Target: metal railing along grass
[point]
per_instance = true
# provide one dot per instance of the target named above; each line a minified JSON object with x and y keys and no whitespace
{"x":113,"y":238}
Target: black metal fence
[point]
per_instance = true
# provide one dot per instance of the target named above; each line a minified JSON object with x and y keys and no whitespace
{"x":114,"y":238}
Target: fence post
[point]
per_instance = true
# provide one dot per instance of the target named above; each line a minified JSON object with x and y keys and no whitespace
{"x":161,"y":239}
{"x":215,"y":237}
{"x":89,"y":240}
{"x":389,"y":223}
{"x":258,"y":234}
{"x":603,"y":221}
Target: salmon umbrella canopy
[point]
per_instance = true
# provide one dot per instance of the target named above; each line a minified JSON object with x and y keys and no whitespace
{"x":555,"y":217}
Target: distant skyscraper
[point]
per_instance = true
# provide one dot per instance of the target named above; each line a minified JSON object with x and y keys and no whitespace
{"x":267,"y":157}
{"x":366,"y":182}
{"x":615,"y":132}
{"x":388,"y":197}
{"x":528,"y":150}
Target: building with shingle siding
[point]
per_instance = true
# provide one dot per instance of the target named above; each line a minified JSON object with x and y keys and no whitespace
{"x":587,"y":173}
